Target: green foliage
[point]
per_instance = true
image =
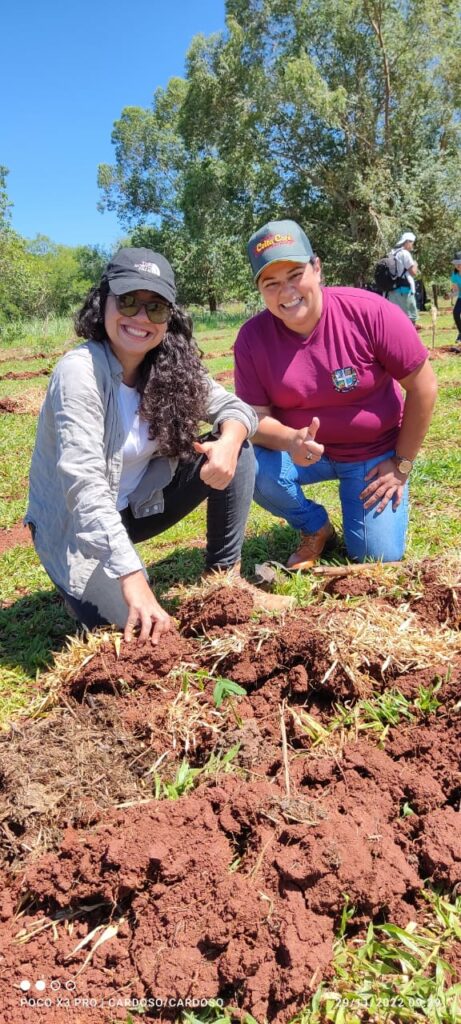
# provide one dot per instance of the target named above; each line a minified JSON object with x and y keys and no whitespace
{"x":226,"y":688}
{"x":22,"y":285}
{"x":40,"y":278}
{"x":182,"y":783}
{"x":375,"y":715}
{"x":21,"y":288}
{"x":4,"y":201}
{"x":342,"y":114}
{"x":91,"y":261}
{"x":44,"y":335}
{"x":215,"y":1013}
{"x":187,"y":778}
{"x":427,"y":701}
{"x":387,"y":708}
{"x":208,"y":267}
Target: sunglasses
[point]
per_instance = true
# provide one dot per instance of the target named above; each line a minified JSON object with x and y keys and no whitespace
{"x":157,"y":311}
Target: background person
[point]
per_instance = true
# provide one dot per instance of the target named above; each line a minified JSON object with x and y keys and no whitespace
{"x":324,"y":369}
{"x":116,"y":459}
{"x":456,"y":292}
{"x":404,"y":295}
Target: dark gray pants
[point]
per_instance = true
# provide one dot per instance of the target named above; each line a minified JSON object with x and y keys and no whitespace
{"x":227,"y":511}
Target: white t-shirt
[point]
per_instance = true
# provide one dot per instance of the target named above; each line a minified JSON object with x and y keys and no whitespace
{"x":406,"y":261}
{"x":137,"y":449}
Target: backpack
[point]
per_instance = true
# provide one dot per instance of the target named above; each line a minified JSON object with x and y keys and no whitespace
{"x":389,"y":273}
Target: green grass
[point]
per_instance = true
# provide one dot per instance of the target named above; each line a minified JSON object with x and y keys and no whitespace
{"x":232,"y":315}
{"x":36,"y":335}
{"x":395,"y":975}
{"x":17,"y":388}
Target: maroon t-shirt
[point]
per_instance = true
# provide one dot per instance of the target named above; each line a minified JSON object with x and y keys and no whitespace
{"x":345,"y":372}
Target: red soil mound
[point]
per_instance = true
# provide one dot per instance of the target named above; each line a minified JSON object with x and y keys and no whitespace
{"x":233,"y":891}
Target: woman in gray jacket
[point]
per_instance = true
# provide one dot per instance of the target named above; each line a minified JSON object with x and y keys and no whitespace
{"x":117,"y":459}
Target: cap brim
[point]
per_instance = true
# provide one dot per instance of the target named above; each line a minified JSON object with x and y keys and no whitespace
{"x":284,"y":259}
{"x":126,"y":283}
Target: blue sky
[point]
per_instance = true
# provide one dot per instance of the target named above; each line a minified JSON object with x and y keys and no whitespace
{"x":66,"y":72}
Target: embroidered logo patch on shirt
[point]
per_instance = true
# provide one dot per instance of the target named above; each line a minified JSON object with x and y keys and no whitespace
{"x":345,"y":379}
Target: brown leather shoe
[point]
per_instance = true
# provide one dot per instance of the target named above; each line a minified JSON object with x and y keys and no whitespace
{"x":311,"y":547}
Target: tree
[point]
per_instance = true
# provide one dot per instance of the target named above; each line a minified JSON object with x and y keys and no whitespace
{"x":160,"y":176}
{"x":21,"y":290}
{"x":22,"y":287}
{"x":91,"y":262}
{"x":360,"y":114}
{"x":68,"y":272}
{"x":344,"y":114}
{"x":4,"y":201}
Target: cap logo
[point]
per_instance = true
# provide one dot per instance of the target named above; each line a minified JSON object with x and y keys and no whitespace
{"x":271,"y":240}
{"x":148,"y":268}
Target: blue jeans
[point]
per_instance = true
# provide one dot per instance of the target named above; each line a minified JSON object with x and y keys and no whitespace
{"x":367,"y":533}
{"x":406,"y":300}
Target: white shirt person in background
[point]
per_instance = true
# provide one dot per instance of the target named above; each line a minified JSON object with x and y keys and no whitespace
{"x":404,"y":294}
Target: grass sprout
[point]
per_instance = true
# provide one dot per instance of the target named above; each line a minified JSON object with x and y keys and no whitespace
{"x":386,"y":709}
{"x":225,"y":688}
{"x":376,"y":714}
{"x":187,"y":778}
{"x":427,"y":701}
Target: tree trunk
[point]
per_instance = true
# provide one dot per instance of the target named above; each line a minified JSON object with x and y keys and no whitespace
{"x":212,"y":302}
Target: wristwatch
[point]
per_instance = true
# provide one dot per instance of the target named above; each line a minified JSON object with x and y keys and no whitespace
{"x":404,"y":465}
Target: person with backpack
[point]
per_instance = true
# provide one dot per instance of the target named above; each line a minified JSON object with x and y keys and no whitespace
{"x":326,"y":369}
{"x":403,"y":290}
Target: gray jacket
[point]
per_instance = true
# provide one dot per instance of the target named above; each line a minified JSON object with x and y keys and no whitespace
{"x":77,"y":463}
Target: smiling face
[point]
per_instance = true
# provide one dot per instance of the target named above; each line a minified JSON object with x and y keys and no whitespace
{"x":131,"y":337}
{"x":292,"y":292}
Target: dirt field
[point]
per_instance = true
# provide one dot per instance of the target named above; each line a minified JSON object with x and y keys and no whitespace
{"x":234,"y":889}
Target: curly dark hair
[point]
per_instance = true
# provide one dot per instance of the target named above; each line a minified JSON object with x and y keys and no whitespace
{"x":172,"y":381}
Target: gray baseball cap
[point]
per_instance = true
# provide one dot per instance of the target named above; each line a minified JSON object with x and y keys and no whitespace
{"x":278,"y":240}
